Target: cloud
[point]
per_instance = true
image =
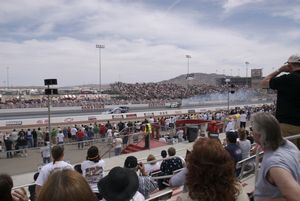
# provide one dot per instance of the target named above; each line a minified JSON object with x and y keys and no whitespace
{"x":142,"y":43}
{"x":289,"y":11}
{"x":230,"y":5}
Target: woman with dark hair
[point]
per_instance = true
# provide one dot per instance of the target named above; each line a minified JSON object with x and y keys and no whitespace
{"x":93,"y":169}
{"x":57,"y":153}
{"x":6,"y":192}
{"x":6,"y":185}
{"x":67,"y":185}
{"x":210,"y":174}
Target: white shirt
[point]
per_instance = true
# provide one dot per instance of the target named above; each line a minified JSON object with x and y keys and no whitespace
{"x":73,"y":131}
{"x":151,"y":168}
{"x":49,"y":168}
{"x":245,"y":146}
{"x":60,"y":137}
{"x":243,"y":117}
{"x":93,"y":172}
{"x":230,"y":126}
{"x":45,"y":151}
{"x":118,"y":142}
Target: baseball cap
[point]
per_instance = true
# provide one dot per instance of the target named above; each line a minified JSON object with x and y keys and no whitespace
{"x":293,"y":59}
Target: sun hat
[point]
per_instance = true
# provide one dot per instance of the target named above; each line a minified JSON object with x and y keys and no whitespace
{"x":120,"y":184}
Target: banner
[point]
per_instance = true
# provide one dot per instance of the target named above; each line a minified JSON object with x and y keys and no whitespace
{"x":131,"y":116}
{"x":117,"y":116}
{"x":13,"y":123}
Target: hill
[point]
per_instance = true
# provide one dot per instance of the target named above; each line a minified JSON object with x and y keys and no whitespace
{"x":198,"y":78}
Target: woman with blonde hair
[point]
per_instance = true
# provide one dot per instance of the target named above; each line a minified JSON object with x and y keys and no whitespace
{"x":151,"y":167}
{"x":67,"y":185}
{"x":210,"y":174}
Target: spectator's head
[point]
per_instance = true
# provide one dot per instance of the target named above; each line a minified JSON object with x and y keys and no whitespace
{"x":242,"y":133}
{"x":120,"y":184}
{"x":131,"y":162}
{"x":231,"y":136}
{"x":151,"y":158}
{"x":93,"y":154}
{"x":77,"y":168}
{"x":294,"y":61}
{"x":210,"y":172}
{"x":163,"y":153}
{"x":266,"y":130}
{"x":6,"y":185}
{"x":171,"y":151}
{"x":67,"y":185}
{"x":57,"y":153}
{"x":35,"y":176}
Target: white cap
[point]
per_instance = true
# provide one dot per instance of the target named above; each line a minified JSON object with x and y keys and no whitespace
{"x":294,"y":59}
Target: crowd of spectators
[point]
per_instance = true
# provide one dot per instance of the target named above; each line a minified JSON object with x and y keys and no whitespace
{"x":120,"y":94}
{"x":162,"y":91}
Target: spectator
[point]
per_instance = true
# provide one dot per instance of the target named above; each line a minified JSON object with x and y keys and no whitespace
{"x":29,"y":138}
{"x":93,"y":169}
{"x":153,"y":166}
{"x":244,"y":143}
{"x":6,"y":192}
{"x":31,"y":188}
{"x":58,"y":163}
{"x":230,"y":124}
{"x":22,"y":142}
{"x":8,"y":145}
{"x":66,"y":185}
{"x":210,"y":174}
{"x":80,"y":137}
{"x":45,"y":153}
{"x":34,"y":137}
{"x":243,"y":119}
{"x":233,"y":149}
{"x":146,"y":184}
{"x":179,"y":179}
{"x":117,"y":144}
{"x":78,"y":169}
{"x":168,"y":166}
{"x":121,"y":184}
{"x":163,"y":153}
{"x":288,"y":96}
{"x":60,"y":138}
{"x":279,"y":175}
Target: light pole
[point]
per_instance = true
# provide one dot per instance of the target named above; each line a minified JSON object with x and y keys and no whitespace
{"x":247,"y":63}
{"x":7,"y":77}
{"x":227,"y":81}
{"x":100,"y":47}
{"x":50,"y":91}
{"x":188,"y":68}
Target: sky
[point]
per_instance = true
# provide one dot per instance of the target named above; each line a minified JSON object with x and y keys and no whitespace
{"x":145,"y":40}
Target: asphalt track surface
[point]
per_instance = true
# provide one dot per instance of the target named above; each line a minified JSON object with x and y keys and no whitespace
{"x":69,"y":113}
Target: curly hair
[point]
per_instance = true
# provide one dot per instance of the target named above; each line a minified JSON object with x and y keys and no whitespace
{"x":210,"y":174}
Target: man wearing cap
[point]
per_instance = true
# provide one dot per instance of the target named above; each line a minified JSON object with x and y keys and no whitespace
{"x":146,"y":184}
{"x":93,"y":169}
{"x":288,"y":96}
